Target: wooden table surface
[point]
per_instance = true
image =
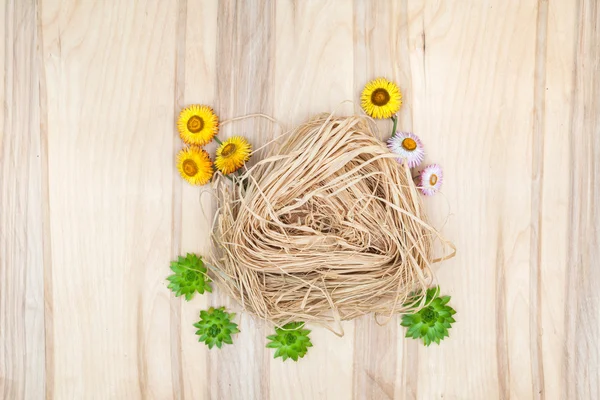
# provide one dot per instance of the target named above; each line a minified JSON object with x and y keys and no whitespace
{"x":504,"y":93}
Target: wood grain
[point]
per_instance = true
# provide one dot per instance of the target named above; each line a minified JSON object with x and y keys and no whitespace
{"x":313,"y":33}
{"x":582,"y":305}
{"x":110,"y":180}
{"x":22,"y":217}
{"x":505,"y":95}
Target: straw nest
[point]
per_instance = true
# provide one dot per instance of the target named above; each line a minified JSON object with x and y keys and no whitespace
{"x":328,"y":227}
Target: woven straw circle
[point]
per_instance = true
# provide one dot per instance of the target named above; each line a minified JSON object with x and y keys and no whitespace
{"x":327,"y":228}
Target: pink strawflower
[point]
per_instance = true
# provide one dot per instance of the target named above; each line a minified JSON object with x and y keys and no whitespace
{"x":431,"y":179}
{"x":408,"y":147}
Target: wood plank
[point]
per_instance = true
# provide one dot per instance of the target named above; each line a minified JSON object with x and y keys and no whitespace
{"x":22,"y":164}
{"x":244,"y":71}
{"x":582,"y":306}
{"x":380,"y":50}
{"x":315,"y":34}
{"x":473,"y":91}
{"x":110,"y":84}
{"x":554,"y":177}
{"x":537,"y":190}
{"x":196,"y":84}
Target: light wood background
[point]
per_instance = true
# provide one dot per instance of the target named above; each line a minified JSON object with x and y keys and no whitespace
{"x":504,"y":93}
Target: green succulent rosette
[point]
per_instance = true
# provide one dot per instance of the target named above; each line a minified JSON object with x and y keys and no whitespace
{"x":291,"y":341}
{"x":215,"y":327}
{"x":432,"y":322}
{"x":189,"y":276}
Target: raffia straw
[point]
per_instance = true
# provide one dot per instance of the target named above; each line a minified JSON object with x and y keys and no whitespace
{"x":327,"y":228}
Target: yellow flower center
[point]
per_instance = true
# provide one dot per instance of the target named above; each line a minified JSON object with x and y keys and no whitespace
{"x":433,"y":179}
{"x":190,"y":167}
{"x":409,"y":144}
{"x":228,"y":150}
{"x":195,"y":124}
{"x":380,"y":97}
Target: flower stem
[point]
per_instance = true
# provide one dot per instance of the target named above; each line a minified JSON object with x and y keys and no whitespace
{"x":217,"y":140}
{"x":395,"y":119}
